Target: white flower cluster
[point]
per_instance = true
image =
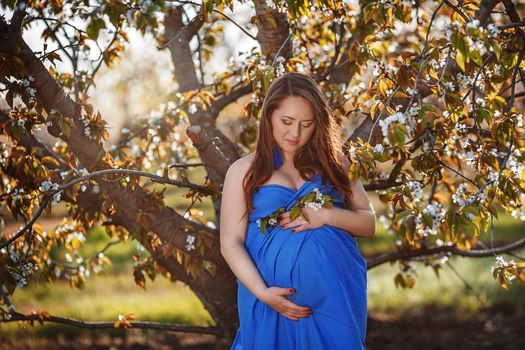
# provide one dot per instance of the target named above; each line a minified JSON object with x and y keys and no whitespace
{"x":154,"y":118}
{"x":464,"y":80}
{"x":476,"y":44}
{"x":378,"y":148}
{"x":10,"y":309}
{"x":519,"y":213}
{"x":402,"y":118}
{"x":514,"y":166}
{"x":190,"y":240}
{"x":25,"y":83}
{"x":474,"y":24}
{"x":411,"y":91}
{"x":519,"y":119}
{"x":318,"y":203}
{"x":68,"y":228}
{"x":438,"y":214}
{"x":493,"y":30}
{"x":75,"y":235}
{"x":384,"y":123}
{"x":387,"y":3}
{"x":449,"y":85}
{"x":492,"y":174}
{"x":462,"y":198}
{"x":279,"y":66}
{"x":436,"y":65}
{"x":458,"y":196}
{"x":272,"y":222}
{"x":356,"y":90}
{"x":3,"y":156}
{"x":501,"y":263}
{"x":455,"y":25}
{"x":416,"y":190}
{"x":21,"y":281}
{"x":497,"y":69}
{"x":48,"y":185}
{"x":82,"y":271}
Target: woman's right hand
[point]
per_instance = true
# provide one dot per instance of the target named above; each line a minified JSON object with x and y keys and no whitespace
{"x":275,"y":297}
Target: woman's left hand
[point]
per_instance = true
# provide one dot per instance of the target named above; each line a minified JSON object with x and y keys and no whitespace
{"x":317,"y":219}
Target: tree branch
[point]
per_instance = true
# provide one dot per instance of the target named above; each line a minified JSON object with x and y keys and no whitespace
{"x":273,"y":31}
{"x":18,"y":15}
{"x":406,"y":255}
{"x":111,"y":325}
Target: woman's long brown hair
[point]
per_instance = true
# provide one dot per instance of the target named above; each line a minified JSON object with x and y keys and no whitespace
{"x":321,"y":153}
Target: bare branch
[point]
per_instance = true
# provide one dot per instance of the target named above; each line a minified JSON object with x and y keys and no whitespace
{"x":480,"y":253}
{"x":111,"y":325}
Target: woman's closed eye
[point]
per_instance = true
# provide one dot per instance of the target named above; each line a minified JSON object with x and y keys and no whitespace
{"x":303,"y":125}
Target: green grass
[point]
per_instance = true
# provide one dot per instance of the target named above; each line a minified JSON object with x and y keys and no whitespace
{"x":106,"y":296}
{"x":474,"y":290}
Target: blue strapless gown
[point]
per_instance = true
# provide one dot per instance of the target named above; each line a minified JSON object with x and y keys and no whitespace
{"x":323,"y":265}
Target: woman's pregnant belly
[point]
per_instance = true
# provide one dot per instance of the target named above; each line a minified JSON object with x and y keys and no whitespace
{"x":314,"y":262}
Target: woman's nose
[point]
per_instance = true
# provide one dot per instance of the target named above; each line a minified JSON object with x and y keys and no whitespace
{"x":296,"y":131}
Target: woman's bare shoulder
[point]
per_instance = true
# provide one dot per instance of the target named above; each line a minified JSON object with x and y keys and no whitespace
{"x":240,"y":166}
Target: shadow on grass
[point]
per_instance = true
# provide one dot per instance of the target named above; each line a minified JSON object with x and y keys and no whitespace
{"x":438,"y":328}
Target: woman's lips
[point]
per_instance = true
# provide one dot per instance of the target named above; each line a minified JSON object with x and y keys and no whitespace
{"x":293,"y":142}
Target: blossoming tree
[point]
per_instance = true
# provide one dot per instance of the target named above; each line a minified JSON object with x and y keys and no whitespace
{"x":435,"y":86}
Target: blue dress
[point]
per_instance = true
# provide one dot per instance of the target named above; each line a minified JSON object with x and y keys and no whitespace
{"x":323,"y":265}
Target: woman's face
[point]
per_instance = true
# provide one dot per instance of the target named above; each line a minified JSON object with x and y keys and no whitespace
{"x":293,"y":123}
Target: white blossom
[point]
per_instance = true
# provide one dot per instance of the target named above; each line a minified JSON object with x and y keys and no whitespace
{"x":449,"y":85}
{"x":56,"y":197}
{"x":190,"y":240}
{"x":313,"y":205}
{"x":192,"y":108}
{"x":493,"y":30}
{"x":378,"y":148}
{"x":473,"y":24}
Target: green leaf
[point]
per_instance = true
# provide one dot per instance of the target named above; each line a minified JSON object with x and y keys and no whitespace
{"x":476,"y":57}
{"x":295,"y":212}
{"x":94,"y":28}
{"x":264,"y":222}
{"x":460,"y":59}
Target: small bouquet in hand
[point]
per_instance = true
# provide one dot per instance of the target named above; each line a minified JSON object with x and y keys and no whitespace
{"x":314,"y":200}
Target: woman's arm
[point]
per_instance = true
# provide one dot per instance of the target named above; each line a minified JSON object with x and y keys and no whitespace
{"x":360,"y":219}
{"x":233,"y":230}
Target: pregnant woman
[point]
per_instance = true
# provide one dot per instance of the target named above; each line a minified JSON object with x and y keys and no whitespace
{"x":289,"y":218}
